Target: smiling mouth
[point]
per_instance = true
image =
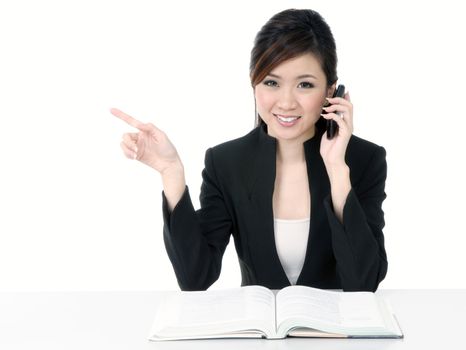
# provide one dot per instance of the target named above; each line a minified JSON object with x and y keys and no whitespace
{"x":286,"y":119}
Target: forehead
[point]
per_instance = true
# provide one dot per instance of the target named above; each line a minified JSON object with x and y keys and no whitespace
{"x":304,"y":64}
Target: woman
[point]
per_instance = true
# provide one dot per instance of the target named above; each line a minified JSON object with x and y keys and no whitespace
{"x":302,"y":208}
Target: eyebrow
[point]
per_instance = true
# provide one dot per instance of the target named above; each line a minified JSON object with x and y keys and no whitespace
{"x":298,"y":77}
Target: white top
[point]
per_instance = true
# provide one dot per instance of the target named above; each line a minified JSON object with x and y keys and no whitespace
{"x":291,"y":242}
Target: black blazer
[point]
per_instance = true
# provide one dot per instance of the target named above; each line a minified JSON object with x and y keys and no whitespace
{"x":236,"y":198}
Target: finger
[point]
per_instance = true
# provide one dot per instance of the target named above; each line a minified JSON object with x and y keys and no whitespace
{"x":131,"y":142}
{"x":338,"y":119}
{"x":133,"y":135}
{"x":344,"y":124}
{"x":335,"y":116}
{"x":129,"y":119}
{"x":155,"y":131}
{"x":338,"y":108}
{"x":338,"y":100}
{"x":127,"y":151}
{"x":347,"y":96}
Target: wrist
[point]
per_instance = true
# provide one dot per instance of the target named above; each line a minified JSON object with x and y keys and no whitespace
{"x":173,"y":177}
{"x":174,"y":184}
{"x":176,"y":169}
{"x":340,"y":183}
{"x":337,"y":171}
{"x":340,"y":186}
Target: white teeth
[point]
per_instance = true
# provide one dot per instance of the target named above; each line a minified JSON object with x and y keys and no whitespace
{"x":287,"y":120}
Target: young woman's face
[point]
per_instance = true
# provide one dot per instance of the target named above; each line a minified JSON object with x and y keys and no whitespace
{"x":291,"y":96}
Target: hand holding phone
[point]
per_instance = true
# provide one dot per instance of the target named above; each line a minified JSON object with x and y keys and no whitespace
{"x":332,"y":126}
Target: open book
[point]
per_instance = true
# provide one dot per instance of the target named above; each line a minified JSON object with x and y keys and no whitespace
{"x":257,"y":312}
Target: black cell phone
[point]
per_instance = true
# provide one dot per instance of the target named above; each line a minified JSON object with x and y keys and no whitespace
{"x":332,"y":126}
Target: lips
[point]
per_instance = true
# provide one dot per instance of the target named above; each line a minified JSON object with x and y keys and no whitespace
{"x":287,"y":118}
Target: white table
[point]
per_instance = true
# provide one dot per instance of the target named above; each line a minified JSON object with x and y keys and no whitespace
{"x":430,"y":319}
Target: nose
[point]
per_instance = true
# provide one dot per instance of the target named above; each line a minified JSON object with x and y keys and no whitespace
{"x":286,"y":100}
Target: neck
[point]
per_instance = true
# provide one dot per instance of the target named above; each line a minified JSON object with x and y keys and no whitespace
{"x":292,"y":151}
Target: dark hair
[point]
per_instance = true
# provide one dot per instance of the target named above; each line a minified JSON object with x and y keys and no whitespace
{"x":289,"y":34}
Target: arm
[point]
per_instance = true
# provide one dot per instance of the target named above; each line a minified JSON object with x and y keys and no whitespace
{"x":174,"y":184}
{"x":340,"y":185}
{"x":358,"y":241}
{"x":196,"y":240}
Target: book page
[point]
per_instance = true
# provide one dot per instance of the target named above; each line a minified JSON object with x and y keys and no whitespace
{"x":200,"y":313}
{"x":360,"y":309}
{"x":301,"y":301}
{"x":327,"y":310}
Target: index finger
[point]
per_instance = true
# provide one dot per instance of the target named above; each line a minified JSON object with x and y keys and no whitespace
{"x":127,"y":118}
{"x":338,"y":100}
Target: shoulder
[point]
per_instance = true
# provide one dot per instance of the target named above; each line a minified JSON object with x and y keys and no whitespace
{"x":239,"y":143}
{"x":235,"y":149}
{"x":363,"y":155}
{"x":359,"y":146}
{"x":234,"y":157}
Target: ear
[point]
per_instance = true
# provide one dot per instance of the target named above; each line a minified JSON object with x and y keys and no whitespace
{"x":331,"y":89}
{"x":330,"y":92}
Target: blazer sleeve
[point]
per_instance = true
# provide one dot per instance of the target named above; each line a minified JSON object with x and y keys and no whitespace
{"x":358,"y":243}
{"x":196,"y":240}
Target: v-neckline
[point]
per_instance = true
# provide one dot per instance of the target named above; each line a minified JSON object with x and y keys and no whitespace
{"x":261,"y":183}
{"x":277,"y":195}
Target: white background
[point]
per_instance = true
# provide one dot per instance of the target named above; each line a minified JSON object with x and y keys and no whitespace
{"x":75,"y":214}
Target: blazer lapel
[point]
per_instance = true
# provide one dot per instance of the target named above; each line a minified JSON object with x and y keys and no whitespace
{"x":319,"y":186}
{"x":260,"y":192}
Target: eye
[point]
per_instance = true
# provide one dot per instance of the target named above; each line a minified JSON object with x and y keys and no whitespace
{"x":307,"y":84}
{"x":269,"y":82}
